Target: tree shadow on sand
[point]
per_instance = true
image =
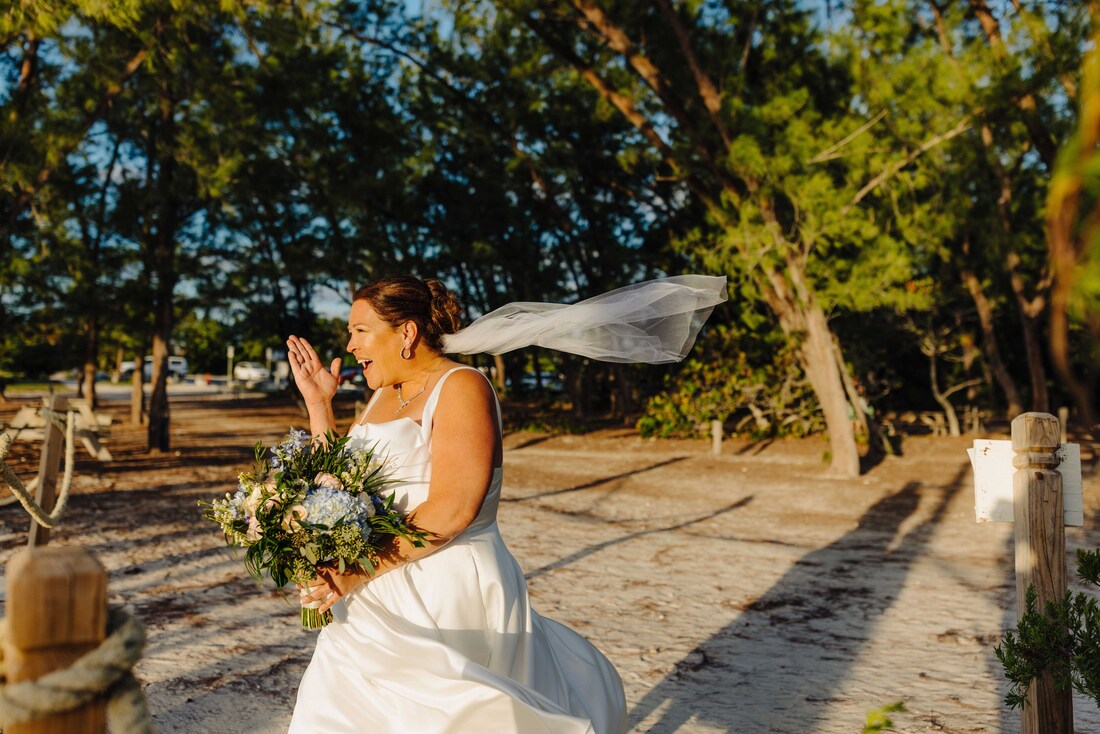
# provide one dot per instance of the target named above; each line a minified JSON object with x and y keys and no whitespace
{"x":775,"y":665}
{"x":597,"y":547}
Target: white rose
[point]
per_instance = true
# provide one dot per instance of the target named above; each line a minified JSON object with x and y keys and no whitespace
{"x":253,"y":502}
{"x":294,"y":516}
{"x":254,"y":532}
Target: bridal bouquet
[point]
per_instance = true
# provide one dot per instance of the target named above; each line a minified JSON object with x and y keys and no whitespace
{"x":306,"y":503}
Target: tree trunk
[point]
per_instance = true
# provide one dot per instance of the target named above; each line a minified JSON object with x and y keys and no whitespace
{"x":1080,"y":390}
{"x":989,"y":344}
{"x":282,"y":312}
{"x":1030,"y":306}
{"x":159,"y":436}
{"x":624,"y":393}
{"x":137,"y":393}
{"x":1070,"y":232}
{"x":1040,"y":399}
{"x":941,"y":398}
{"x":804,"y":323}
{"x":91,"y":358}
{"x":163,"y":246}
{"x":819,"y":361}
{"x":119,"y":355}
{"x":159,"y":433}
{"x":574,"y":381}
{"x":502,"y":384}
{"x":859,"y":415}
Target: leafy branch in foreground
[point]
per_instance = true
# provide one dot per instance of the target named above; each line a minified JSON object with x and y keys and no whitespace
{"x":879,"y":720}
{"x":1063,"y":639}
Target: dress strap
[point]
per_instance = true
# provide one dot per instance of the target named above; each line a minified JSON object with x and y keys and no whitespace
{"x":370,"y":402}
{"x":433,"y":399}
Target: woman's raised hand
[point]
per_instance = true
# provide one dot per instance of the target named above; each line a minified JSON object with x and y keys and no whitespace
{"x":316,"y":383}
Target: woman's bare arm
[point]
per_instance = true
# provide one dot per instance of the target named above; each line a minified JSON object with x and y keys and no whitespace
{"x":465,"y":448}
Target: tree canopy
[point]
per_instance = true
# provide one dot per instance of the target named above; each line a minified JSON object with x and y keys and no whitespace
{"x":874,"y":177}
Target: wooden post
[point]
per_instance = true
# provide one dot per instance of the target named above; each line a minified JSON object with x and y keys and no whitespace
{"x":1063,"y":422}
{"x":46,"y":492}
{"x":56,"y":610}
{"x":716,"y":437}
{"x":1040,"y":552}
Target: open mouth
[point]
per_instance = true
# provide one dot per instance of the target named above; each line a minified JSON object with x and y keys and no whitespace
{"x":364,"y":363}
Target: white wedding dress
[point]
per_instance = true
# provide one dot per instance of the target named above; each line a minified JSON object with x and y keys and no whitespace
{"x":450,"y":643}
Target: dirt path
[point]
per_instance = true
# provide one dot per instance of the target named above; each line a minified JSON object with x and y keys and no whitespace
{"x":741,"y":593}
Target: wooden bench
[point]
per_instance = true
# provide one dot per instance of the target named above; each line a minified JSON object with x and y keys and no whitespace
{"x":935,"y":420}
{"x":89,"y":427}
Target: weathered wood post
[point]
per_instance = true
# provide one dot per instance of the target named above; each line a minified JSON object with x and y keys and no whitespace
{"x":56,"y":611}
{"x":1040,"y":552}
{"x":716,"y":437}
{"x":46,"y":491}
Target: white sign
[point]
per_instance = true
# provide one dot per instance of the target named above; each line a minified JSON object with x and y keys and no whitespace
{"x":993,"y":470}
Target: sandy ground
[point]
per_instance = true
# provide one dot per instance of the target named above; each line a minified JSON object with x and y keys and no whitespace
{"x":741,"y":593}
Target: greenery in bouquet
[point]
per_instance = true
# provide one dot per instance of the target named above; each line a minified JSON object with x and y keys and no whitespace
{"x":307,"y":503}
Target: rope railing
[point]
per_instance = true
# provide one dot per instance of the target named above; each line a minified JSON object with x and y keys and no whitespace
{"x":20,"y":492}
{"x":102,"y":673}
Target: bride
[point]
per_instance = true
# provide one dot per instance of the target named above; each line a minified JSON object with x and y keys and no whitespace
{"x":442,"y":637}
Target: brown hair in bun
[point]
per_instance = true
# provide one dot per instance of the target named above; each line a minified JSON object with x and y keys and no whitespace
{"x":427,"y":303}
{"x":446,"y":310}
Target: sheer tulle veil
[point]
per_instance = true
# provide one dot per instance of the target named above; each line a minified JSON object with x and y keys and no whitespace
{"x":655,"y":322}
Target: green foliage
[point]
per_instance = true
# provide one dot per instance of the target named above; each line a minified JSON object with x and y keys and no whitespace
{"x":762,"y":397}
{"x":310,"y":146}
{"x":879,"y":720}
{"x":1063,"y":640}
{"x":203,"y":341}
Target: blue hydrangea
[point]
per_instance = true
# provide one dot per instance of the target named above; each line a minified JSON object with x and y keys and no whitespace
{"x":330,"y":507}
{"x":234,"y":506}
{"x":228,"y":513}
{"x":294,"y":444}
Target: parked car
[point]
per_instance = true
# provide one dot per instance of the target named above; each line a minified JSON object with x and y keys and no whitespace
{"x":250,"y":372}
{"x":177,"y":369}
{"x":551,"y":382}
{"x":352,"y":375}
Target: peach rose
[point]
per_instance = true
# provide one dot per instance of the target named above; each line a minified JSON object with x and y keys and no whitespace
{"x":294,"y":516}
{"x":324,"y":479}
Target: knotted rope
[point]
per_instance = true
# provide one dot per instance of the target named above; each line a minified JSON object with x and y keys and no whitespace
{"x":20,"y":491}
{"x":104,"y":672}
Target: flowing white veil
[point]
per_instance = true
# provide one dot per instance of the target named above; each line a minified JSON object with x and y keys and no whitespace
{"x":655,"y":322}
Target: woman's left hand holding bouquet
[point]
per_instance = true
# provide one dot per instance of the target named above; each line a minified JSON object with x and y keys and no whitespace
{"x":316,"y":383}
{"x":331,"y":586}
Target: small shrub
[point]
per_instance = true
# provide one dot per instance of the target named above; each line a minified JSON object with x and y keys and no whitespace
{"x":1063,"y":639}
{"x":762,"y":399}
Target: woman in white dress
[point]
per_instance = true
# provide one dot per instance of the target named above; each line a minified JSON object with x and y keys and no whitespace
{"x":441,"y":638}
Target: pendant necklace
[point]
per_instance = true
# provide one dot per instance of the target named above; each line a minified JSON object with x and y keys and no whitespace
{"x":404,"y":403}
